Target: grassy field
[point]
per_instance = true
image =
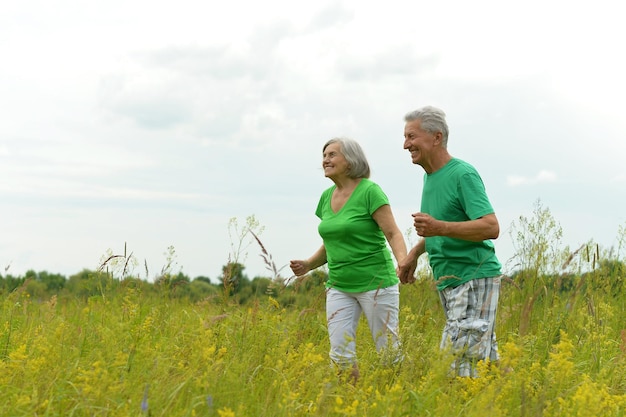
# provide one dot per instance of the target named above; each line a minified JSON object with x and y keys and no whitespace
{"x":133,"y":354}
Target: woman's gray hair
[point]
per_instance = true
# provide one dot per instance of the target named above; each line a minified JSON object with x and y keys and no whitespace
{"x":432,"y":120}
{"x":358,"y":167}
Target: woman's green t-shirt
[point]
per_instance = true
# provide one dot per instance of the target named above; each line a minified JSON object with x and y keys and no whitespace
{"x":356,"y":249}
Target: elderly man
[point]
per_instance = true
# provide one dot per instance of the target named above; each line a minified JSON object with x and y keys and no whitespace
{"x":456,"y":222}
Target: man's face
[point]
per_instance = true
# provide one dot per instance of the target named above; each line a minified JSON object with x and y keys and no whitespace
{"x":418,"y":142}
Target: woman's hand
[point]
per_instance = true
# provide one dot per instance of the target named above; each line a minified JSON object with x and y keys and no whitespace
{"x":299,"y":267}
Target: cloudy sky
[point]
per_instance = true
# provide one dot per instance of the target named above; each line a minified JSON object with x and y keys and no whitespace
{"x":152,"y":123}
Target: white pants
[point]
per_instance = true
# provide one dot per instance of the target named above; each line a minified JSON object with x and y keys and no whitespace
{"x":343,"y":310}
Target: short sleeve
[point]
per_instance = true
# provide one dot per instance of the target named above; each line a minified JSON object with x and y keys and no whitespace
{"x":473,"y":196}
{"x":376,"y":198}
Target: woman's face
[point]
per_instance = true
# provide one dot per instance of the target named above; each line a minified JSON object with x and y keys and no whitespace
{"x":333,"y":162}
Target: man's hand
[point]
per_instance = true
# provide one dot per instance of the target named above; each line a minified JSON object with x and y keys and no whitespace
{"x":427,"y":226}
{"x":406,"y":269}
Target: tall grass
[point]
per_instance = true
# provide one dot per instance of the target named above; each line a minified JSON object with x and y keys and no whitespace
{"x":128,"y":352}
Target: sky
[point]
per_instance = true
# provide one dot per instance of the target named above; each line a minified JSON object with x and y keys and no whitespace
{"x":147,"y":126}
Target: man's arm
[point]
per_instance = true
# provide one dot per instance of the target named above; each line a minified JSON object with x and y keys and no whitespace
{"x":483,"y":228}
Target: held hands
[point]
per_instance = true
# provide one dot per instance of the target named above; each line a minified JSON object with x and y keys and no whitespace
{"x":406,"y":269}
{"x":407,"y":266}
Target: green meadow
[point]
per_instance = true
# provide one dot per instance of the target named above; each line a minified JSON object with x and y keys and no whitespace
{"x":115,"y":345}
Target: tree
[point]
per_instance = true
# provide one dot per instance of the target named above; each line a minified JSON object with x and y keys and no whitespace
{"x":53,"y":282}
{"x":233,"y":278}
{"x":9,"y":283}
{"x":203,"y":279}
{"x":88,"y":283}
{"x":200,"y":289}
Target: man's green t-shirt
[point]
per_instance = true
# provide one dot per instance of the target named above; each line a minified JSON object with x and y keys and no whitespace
{"x":356,"y":248}
{"x":456,"y":193}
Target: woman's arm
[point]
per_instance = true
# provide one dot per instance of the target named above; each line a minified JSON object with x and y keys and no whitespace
{"x":387,"y":223}
{"x":301,"y":267}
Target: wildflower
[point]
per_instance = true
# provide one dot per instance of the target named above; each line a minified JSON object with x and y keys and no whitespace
{"x":561,"y":367}
{"x":22,"y":400}
{"x":222,"y":352}
{"x":19,"y":355}
{"x":144,"y":401}
{"x":226,"y":412}
{"x":274,"y":303}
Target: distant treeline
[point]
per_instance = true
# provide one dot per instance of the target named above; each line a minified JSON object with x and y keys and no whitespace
{"x":233,"y":285}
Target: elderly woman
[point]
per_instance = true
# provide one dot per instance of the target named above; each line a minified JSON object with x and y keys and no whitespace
{"x":356,"y":223}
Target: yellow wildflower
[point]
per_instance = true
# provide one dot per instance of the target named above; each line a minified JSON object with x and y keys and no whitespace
{"x":226,"y":412}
